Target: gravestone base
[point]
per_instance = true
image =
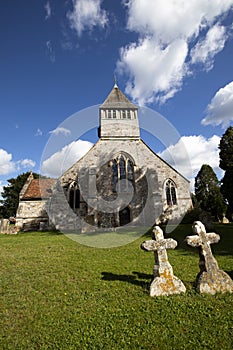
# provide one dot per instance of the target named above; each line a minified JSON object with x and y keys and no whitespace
{"x":165,"y":285}
{"x":211,"y":283}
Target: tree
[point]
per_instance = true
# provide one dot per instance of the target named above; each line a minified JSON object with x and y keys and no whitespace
{"x":207,"y":191}
{"x":226,"y":149}
{"x":227,"y":190}
{"x":10,"y":195}
{"x":226,"y":163}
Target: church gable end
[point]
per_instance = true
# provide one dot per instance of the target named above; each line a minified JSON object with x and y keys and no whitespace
{"x":120,"y":181}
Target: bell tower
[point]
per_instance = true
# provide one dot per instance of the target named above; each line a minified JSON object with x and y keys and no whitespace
{"x":118,"y":117}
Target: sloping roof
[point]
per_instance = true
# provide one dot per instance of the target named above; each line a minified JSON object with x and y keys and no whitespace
{"x":39,"y":188}
{"x":116,"y":99}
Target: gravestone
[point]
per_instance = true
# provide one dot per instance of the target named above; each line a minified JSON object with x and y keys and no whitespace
{"x":210,"y":279}
{"x":164,"y":282}
{"x":4,"y":225}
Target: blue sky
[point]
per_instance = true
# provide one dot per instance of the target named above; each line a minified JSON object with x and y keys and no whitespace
{"x":59,"y":57}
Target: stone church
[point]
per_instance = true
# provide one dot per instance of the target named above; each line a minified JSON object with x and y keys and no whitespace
{"x":120,"y":181}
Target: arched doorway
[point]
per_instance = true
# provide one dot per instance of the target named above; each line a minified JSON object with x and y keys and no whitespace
{"x":124,"y":216}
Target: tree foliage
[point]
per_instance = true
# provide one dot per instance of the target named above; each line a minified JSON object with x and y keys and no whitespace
{"x":208,"y":192}
{"x":226,"y":149}
{"x":10,"y":195}
{"x":226,"y":163}
{"x":227,"y":189}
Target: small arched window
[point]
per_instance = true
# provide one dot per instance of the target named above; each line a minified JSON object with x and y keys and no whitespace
{"x":74,"y":196}
{"x":170,"y":190}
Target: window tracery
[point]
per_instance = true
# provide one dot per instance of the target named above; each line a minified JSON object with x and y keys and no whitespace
{"x":122,"y":174}
{"x":170,"y":190}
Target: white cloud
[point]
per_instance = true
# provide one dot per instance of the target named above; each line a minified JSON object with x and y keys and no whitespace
{"x":60,"y":130}
{"x":149,"y":78}
{"x":191,"y":152}
{"x":87,"y":14}
{"x":48,"y":11}
{"x":162,"y":26}
{"x":205,"y":50}
{"x":220,"y":109}
{"x":27,"y":163}
{"x":62,"y":160}
{"x":38,"y":132}
{"x":6,"y":163}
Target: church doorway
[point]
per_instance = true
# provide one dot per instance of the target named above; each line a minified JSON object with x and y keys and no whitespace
{"x":124,"y":216}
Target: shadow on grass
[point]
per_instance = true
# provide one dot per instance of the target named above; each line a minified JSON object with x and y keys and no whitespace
{"x":41,"y":233}
{"x":144,"y":283}
{"x":133,"y":279}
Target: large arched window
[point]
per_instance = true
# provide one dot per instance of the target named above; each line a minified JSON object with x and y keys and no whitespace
{"x":122,"y":174}
{"x":170,"y":190}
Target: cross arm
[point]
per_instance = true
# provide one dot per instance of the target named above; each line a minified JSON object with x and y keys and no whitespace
{"x":149,"y":245}
{"x":213,"y":237}
{"x":193,"y":241}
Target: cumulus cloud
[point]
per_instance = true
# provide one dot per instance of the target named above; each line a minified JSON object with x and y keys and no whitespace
{"x":60,"y":130}
{"x":7,"y":165}
{"x":87,"y":14}
{"x":199,"y":150}
{"x":144,"y":62}
{"x":162,"y":26}
{"x":220,"y":109}
{"x":205,"y":50}
{"x":27,"y":163}
{"x":48,"y":11}
{"x":62,"y":160}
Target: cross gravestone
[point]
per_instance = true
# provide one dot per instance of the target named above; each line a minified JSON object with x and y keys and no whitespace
{"x":164,"y":282}
{"x":210,"y":279}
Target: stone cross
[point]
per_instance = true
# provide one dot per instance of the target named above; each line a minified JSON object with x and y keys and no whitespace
{"x":210,"y":279}
{"x":164,"y":282}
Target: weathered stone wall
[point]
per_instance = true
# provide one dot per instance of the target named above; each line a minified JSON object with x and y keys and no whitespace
{"x":119,"y":128}
{"x":32,"y":215}
{"x":148,"y":204}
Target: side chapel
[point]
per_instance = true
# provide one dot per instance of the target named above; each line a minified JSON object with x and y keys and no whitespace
{"x":119,"y":181}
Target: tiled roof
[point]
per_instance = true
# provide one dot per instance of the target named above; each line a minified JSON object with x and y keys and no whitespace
{"x":39,"y":188}
{"x":116,"y":99}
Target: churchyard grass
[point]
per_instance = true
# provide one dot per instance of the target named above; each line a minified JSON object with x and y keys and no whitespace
{"x":58,"y":294}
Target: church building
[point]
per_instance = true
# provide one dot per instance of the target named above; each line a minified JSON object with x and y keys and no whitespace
{"x":120,"y":181}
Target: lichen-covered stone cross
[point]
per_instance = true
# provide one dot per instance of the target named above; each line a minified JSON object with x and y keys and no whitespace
{"x":210,"y":279}
{"x":164,"y":282}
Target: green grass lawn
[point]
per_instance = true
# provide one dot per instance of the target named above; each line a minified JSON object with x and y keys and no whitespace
{"x":58,"y":294}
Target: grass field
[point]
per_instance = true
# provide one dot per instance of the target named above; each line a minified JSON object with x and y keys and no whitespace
{"x":58,"y":294}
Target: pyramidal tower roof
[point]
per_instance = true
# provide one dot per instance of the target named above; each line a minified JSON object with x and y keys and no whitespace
{"x":116,"y":99}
